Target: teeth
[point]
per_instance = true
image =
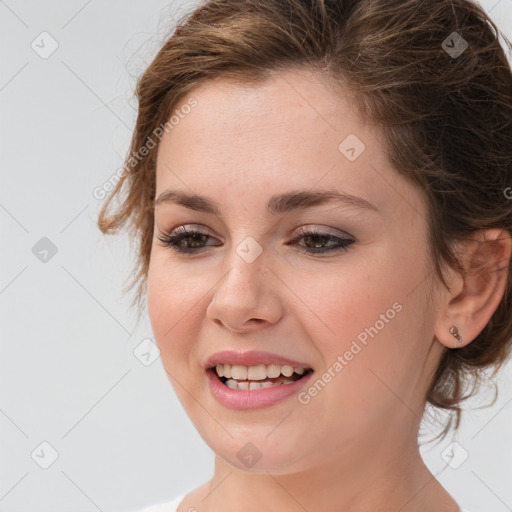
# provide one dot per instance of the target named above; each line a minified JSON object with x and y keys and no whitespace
{"x":243,"y":385}
{"x":238,"y":372}
{"x":273,"y":371}
{"x":258,"y":372}
{"x":232,"y":384}
{"x":287,"y":371}
{"x":246,"y":385}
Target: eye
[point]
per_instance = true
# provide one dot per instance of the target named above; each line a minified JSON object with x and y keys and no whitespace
{"x":177,"y":239}
{"x":317,"y":239}
{"x":188,"y":240}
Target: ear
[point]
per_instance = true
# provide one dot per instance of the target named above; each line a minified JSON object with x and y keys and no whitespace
{"x":472,"y":298}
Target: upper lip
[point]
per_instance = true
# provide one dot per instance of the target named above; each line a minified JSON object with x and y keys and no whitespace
{"x":251,"y":358}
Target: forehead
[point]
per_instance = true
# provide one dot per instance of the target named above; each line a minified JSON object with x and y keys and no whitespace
{"x":293,"y":131}
{"x":293,"y":107}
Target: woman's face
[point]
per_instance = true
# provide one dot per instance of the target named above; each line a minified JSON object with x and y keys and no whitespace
{"x":357,"y":314}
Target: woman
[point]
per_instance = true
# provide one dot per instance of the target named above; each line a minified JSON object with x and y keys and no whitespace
{"x":318,"y":189}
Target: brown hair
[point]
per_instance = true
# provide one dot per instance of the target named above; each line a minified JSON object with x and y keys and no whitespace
{"x":446,"y":119}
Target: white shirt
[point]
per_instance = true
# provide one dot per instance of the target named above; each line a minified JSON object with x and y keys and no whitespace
{"x":172,"y":506}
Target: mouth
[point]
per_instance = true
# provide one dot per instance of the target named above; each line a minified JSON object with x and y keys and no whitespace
{"x":262,"y":376}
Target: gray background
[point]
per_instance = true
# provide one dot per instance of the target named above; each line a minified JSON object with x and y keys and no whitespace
{"x":69,"y":373}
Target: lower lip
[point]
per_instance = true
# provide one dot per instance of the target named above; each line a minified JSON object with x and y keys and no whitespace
{"x":253,"y":399}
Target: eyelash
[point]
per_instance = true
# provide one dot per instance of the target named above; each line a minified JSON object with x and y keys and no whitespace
{"x":182,"y":233}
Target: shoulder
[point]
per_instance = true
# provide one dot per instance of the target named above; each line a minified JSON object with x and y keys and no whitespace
{"x":168,"y":506}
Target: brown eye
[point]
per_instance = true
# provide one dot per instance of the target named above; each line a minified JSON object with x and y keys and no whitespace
{"x":318,"y":243}
{"x":184,"y":239}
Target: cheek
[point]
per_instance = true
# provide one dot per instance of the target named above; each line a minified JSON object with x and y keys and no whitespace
{"x":176,"y":312}
{"x":348,"y":300}
{"x":173,"y":303}
{"x":373,"y":317}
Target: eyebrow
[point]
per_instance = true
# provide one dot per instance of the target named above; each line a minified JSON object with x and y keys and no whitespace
{"x":281,"y":203}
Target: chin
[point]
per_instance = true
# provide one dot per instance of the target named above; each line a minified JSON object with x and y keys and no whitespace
{"x":257,"y":454}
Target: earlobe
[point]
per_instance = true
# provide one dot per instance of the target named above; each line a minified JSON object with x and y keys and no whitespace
{"x":455,"y":332}
{"x":450,"y":336}
{"x":468,"y":308}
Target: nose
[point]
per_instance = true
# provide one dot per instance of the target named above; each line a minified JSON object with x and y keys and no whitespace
{"x":246,"y":298}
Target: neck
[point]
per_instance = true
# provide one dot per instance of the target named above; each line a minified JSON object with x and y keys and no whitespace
{"x":386,"y":475}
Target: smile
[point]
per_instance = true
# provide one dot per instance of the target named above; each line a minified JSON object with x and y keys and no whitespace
{"x":259,"y":376}
{"x":246,"y":394}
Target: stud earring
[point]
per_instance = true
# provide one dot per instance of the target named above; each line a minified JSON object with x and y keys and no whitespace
{"x":455,"y":332}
